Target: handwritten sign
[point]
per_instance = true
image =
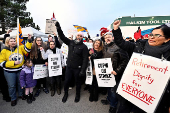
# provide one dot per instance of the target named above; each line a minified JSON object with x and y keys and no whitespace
{"x":103,"y":68}
{"x":144,"y":81}
{"x":50,"y":26}
{"x":40,"y":71}
{"x":89,"y":74}
{"x":54,"y":65}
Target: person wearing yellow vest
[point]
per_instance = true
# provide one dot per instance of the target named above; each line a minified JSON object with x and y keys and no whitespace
{"x":12,"y":65}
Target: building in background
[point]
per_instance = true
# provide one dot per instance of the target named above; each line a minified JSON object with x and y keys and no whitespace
{"x":129,"y":25}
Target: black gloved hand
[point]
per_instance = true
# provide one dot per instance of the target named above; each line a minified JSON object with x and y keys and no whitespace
{"x":57,"y":24}
{"x":81,"y":74}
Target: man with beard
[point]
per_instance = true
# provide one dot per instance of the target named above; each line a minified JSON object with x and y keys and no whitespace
{"x":119,"y":60}
{"x":76,"y":63}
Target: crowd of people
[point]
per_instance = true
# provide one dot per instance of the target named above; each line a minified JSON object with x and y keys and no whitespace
{"x":17,"y":69}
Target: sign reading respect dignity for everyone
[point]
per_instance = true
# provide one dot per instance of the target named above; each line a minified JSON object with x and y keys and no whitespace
{"x":103,"y":69}
{"x":144,"y":81}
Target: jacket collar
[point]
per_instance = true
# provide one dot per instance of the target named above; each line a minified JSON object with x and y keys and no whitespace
{"x":13,"y":49}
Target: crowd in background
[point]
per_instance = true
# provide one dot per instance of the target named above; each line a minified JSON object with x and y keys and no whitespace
{"x":17,"y":70}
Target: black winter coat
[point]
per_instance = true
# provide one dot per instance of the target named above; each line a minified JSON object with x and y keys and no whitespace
{"x":118,"y":57}
{"x":77,"y":54}
{"x":140,"y":47}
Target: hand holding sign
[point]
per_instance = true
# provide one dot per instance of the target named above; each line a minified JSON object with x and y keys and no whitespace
{"x":114,"y":73}
{"x":29,"y":36}
{"x":116,"y":24}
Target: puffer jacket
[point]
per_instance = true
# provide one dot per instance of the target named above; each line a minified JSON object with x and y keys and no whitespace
{"x":26,"y":77}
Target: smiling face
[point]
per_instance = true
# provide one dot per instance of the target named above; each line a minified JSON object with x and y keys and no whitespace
{"x":108,"y":39}
{"x":96,"y":45}
{"x":12,"y":42}
{"x":157,"y":38}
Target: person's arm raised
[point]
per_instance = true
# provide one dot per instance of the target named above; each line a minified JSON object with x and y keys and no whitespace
{"x":125,"y":45}
{"x":61,"y":34}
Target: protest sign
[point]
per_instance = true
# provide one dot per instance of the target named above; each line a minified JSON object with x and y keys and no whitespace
{"x":144,"y":81}
{"x":103,"y":69}
{"x":89,"y":45}
{"x":40,"y":71}
{"x":89,"y":74}
{"x":54,"y":65}
{"x":50,"y":26}
{"x":64,"y":49}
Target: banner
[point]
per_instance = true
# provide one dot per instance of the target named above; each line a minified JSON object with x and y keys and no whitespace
{"x":103,"y":69}
{"x":54,"y":65}
{"x":144,"y":81}
{"x":40,"y":71}
{"x":50,"y":26}
{"x":89,"y":74}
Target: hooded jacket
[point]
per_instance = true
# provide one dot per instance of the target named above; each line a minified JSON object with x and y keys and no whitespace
{"x":26,"y":77}
{"x":8,"y":57}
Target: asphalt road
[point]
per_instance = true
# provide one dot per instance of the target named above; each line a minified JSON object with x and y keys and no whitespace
{"x":47,"y":104}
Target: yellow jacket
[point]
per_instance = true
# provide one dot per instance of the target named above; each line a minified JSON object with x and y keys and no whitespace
{"x":8,"y":57}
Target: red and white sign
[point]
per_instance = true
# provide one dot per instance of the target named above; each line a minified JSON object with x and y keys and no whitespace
{"x":144,"y":81}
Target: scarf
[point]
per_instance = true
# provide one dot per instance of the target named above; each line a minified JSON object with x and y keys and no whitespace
{"x":156,"y":51}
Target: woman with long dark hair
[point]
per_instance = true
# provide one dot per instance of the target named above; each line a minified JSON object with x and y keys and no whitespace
{"x":36,"y":57}
{"x":96,"y":53}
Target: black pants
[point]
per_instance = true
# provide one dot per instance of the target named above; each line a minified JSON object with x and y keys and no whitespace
{"x":56,"y":80}
{"x":70,"y":73}
{"x":3,"y":84}
{"x":41,"y":81}
{"x":94,"y":86}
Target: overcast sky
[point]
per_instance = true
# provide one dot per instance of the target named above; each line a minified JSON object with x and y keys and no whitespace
{"x":93,"y":14}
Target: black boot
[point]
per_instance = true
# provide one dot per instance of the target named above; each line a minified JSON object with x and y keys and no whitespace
{"x":32,"y":97}
{"x":77,"y":98}
{"x":37,"y":93}
{"x":29,"y":101}
{"x":112,"y":110}
{"x":58,"y":86}
{"x":46,"y":90}
{"x":52,"y":90}
{"x":14,"y":102}
{"x":65,"y":97}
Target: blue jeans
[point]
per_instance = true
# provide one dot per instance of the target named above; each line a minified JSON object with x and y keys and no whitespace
{"x":112,"y":98}
{"x":12,"y":79}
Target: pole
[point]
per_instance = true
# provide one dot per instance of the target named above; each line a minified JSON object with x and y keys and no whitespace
{"x":18,"y":39}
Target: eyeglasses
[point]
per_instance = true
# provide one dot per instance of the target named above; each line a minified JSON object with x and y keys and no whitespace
{"x":155,"y":35}
{"x":38,"y":40}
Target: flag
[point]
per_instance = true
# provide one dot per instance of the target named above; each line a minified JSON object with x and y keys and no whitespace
{"x":53,"y":18}
{"x":21,"y":40}
{"x":80,"y":28}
